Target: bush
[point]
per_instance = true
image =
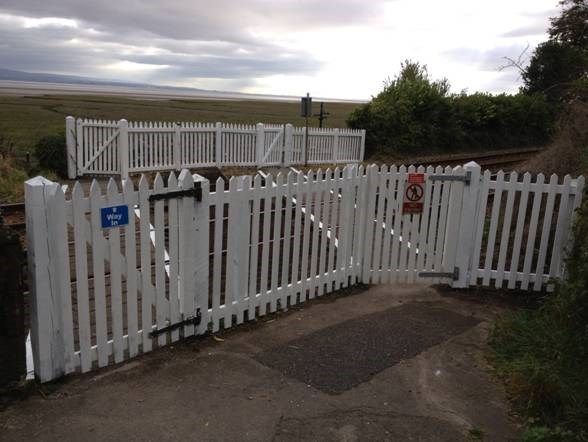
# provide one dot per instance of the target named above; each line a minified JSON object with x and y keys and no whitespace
{"x":11,"y":181}
{"x":414,"y":114}
{"x":51,"y":153}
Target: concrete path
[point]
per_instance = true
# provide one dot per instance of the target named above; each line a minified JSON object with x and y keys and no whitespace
{"x":390,"y":363}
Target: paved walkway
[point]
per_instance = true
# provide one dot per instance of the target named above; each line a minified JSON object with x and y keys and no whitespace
{"x":390,"y":363}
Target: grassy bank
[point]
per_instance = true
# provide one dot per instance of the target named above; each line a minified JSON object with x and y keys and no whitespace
{"x":542,"y":354}
{"x":24,"y":120}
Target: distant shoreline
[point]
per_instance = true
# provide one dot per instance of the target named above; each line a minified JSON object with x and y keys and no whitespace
{"x":32,"y":88}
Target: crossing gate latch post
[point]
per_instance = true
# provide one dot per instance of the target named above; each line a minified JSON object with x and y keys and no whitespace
{"x":467,"y":178}
{"x":195,"y":192}
{"x":453,"y":275}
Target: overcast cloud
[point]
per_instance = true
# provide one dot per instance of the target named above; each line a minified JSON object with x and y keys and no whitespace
{"x":338,"y":49}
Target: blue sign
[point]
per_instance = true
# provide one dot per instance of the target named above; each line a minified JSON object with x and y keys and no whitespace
{"x":115,"y":216}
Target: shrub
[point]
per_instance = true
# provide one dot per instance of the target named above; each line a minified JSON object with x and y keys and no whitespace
{"x":11,"y":181}
{"x":414,"y":114}
{"x":51,"y":154}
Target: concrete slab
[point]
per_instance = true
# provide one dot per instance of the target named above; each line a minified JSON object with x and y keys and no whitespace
{"x":438,"y":387}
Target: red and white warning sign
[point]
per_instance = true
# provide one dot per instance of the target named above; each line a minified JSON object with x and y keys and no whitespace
{"x":414,"y":193}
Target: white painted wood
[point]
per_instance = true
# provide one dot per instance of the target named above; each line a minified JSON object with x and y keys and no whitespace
{"x":441,"y":244}
{"x":494,"y":218}
{"x":80,"y":240}
{"x":372,"y":187}
{"x":316,"y":227}
{"x":479,"y":227}
{"x":187,"y":265}
{"x":218,"y":251}
{"x":398,"y":220}
{"x":289,"y":195}
{"x":46,"y":300}
{"x":533,"y":222}
{"x":253,"y":275}
{"x":267,"y":211}
{"x":131,"y":270}
{"x":561,"y":227}
{"x":306,"y":200}
{"x":277,"y":235}
{"x":159,"y":250}
{"x":505,"y":236}
{"x":115,"y":277}
{"x":326,"y":232}
{"x":297,"y":238}
{"x":98,"y":256}
{"x":123,"y":138}
{"x":545,"y":233}
{"x":146,"y":286}
{"x":519,"y":230}
{"x":202,"y":253}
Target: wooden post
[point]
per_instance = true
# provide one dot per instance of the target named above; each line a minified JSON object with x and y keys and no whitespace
{"x":187,"y":264}
{"x":80,"y":147}
{"x":259,"y":144}
{"x":70,"y":140}
{"x":467,"y":222}
{"x":123,"y":138}
{"x":48,"y":267}
{"x":362,"y":148}
{"x":177,"y":152}
{"x":336,"y":146}
{"x":201,"y":250}
{"x":288,"y":145}
{"x":219,"y":144}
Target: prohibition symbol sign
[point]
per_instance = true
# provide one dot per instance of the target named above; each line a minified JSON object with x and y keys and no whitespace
{"x":414,"y":192}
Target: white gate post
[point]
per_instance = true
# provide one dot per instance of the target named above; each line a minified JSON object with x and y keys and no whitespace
{"x":177,"y":148}
{"x":362,"y":147}
{"x":336,"y":146}
{"x":288,"y":145}
{"x":201,"y":251}
{"x":187,"y":250}
{"x":463,"y":210}
{"x":48,"y":273}
{"x":70,"y":141}
{"x":259,"y":144}
{"x":79,"y":147}
{"x":123,"y":140}
{"x":219,"y":144}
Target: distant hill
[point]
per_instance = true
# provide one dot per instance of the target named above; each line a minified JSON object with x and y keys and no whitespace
{"x":30,"y":80}
{"x":41,"y":77}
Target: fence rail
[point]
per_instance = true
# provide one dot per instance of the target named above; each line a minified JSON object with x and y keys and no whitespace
{"x":121,"y":148}
{"x":101,"y":295}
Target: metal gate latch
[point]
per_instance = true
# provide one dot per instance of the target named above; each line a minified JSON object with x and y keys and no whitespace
{"x":467,"y":178}
{"x":453,"y":275}
{"x":190,"y":320}
{"x":195,"y":192}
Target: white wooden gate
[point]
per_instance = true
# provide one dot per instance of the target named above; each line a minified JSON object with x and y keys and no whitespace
{"x":194,"y":258}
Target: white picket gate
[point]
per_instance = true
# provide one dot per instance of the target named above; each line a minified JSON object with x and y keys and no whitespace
{"x":101,"y":147}
{"x":194,"y":258}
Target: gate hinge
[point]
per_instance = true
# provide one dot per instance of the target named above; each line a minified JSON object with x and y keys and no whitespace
{"x":453,"y":275}
{"x":195,"y":192}
{"x":190,"y":320}
{"x":467,"y":178}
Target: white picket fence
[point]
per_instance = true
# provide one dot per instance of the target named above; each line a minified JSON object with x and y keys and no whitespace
{"x":121,"y":148}
{"x":232,"y":253}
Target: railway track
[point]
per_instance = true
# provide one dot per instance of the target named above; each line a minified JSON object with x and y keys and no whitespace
{"x":494,"y":160}
{"x":14,"y":214}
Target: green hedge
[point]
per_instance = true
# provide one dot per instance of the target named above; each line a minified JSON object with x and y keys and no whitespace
{"x":415,"y":114}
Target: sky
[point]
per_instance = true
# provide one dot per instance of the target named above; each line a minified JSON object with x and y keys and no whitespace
{"x":335,"y":49}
